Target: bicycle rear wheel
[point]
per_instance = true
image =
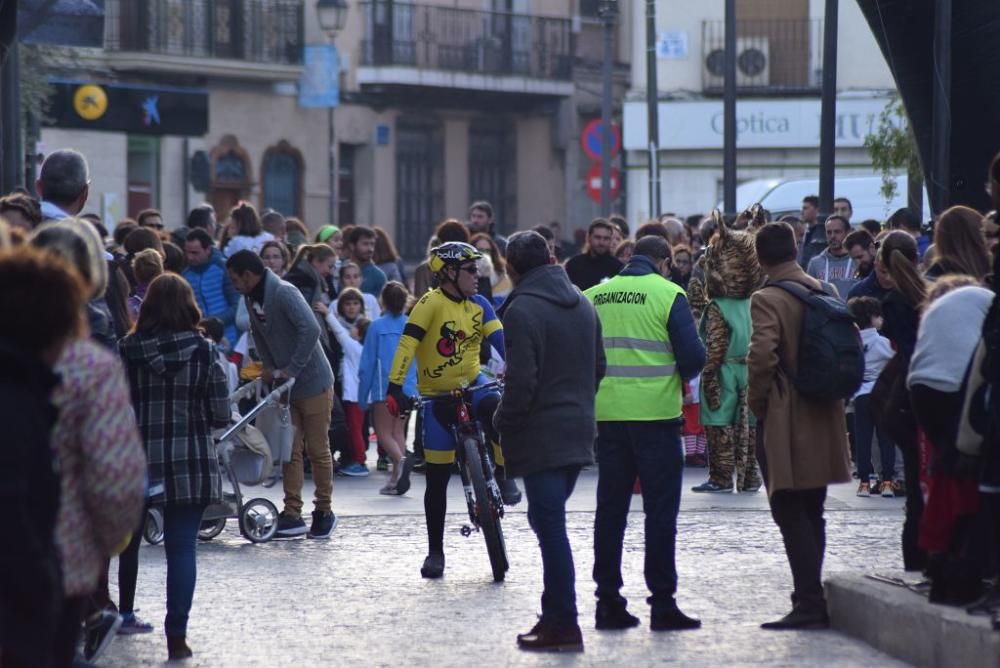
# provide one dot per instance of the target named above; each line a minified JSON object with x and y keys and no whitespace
{"x":489,"y":521}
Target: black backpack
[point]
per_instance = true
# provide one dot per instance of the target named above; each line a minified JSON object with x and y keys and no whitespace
{"x":831,"y":356}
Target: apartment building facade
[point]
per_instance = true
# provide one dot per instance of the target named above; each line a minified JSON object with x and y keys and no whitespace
{"x":439,"y":103}
{"x":779,"y":77}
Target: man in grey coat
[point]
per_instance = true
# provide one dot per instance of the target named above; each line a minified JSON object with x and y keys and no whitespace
{"x":555,"y":362}
{"x":286,"y":334}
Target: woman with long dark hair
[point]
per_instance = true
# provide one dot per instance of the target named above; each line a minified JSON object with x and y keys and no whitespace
{"x":897,"y":265}
{"x":959,"y":245}
{"x":180,"y":394}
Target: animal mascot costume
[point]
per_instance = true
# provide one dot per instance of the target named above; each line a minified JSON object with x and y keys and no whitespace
{"x":732,"y":274}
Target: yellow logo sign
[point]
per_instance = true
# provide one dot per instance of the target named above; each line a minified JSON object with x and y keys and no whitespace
{"x":90,"y":102}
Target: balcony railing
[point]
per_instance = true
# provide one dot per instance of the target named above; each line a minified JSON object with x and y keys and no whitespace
{"x":772,"y":56}
{"x":462,"y":40}
{"x":258,"y":31}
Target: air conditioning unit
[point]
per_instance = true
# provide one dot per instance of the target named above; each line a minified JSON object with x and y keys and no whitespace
{"x":753,"y":63}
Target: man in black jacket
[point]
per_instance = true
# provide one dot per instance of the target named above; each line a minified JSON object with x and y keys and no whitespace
{"x":597,"y":262}
{"x":555,"y":361}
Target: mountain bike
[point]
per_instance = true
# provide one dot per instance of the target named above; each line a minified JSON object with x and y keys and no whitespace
{"x":474,"y":457}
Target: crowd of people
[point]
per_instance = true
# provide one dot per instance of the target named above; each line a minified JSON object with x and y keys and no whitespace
{"x":695,"y":342}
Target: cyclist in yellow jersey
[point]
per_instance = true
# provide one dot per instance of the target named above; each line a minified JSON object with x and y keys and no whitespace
{"x":448,"y":333}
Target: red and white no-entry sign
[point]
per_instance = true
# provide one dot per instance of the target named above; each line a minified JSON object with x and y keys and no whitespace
{"x":593,"y":179}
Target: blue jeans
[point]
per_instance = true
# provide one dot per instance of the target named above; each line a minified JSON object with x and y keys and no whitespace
{"x":654,"y":451}
{"x":864,"y":426}
{"x":547,"y":493}
{"x":180,"y":538}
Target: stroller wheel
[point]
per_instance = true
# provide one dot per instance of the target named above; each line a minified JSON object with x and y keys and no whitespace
{"x":152,"y":528}
{"x":211,"y":528}
{"x":259,"y":520}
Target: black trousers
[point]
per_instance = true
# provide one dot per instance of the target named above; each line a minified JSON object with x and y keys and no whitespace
{"x":799,"y":516}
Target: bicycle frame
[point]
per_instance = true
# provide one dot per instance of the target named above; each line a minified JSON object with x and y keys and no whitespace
{"x":466,"y":426}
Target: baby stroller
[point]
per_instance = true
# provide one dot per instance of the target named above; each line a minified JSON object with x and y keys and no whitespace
{"x":245,"y":457}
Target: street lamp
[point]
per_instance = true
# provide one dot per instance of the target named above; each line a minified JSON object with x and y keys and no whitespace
{"x":332,"y":14}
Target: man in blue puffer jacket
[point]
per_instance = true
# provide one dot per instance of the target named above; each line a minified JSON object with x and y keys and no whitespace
{"x":210,"y":282}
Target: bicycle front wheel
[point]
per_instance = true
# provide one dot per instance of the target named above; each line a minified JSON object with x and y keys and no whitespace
{"x":489,"y":520}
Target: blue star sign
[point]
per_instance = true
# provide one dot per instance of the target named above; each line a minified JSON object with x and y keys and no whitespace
{"x":151,"y":115}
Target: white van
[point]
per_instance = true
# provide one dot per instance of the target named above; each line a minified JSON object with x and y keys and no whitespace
{"x":784,"y":196}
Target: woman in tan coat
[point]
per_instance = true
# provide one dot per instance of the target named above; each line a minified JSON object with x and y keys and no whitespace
{"x":804,"y":441}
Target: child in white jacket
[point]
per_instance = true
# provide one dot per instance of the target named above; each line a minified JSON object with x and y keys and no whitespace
{"x":867,"y":313}
{"x":349,"y":308}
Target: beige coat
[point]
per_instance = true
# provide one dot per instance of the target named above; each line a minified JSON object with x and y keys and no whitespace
{"x":805,"y":441}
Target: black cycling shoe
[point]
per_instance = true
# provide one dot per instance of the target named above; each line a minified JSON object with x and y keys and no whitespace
{"x":433,"y":567}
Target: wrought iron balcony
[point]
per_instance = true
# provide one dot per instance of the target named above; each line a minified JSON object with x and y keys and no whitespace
{"x":427,"y":37}
{"x":779,"y":56}
{"x":253,"y":31}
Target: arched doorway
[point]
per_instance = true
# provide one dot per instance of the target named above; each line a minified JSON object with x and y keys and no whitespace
{"x":281,"y":174}
{"x":231,"y":176}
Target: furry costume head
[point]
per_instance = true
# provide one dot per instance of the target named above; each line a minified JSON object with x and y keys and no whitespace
{"x":731,"y":266}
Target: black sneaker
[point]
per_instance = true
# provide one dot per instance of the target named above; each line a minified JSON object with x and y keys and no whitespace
{"x":712,"y":487}
{"x":614,"y":617}
{"x":99,"y":632}
{"x":403,"y":482}
{"x":509,"y":491}
{"x":323,"y":524}
{"x":289,"y":527}
{"x":433,"y":566}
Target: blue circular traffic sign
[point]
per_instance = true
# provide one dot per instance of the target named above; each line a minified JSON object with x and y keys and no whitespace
{"x":590,"y":140}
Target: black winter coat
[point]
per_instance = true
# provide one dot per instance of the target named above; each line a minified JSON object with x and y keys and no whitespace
{"x":555,"y":362}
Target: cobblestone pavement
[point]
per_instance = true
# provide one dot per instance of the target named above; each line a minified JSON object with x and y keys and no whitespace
{"x":358,"y":599}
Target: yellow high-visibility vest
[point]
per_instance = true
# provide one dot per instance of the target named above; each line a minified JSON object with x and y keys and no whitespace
{"x":641,"y":382}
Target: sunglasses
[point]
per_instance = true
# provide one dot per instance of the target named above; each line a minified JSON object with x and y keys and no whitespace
{"x":470,"y":269}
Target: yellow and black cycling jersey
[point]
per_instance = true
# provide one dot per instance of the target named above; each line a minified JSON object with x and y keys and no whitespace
{"x":445,"y":335}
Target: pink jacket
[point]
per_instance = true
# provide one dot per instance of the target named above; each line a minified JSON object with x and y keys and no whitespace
{"x":102,"y":465}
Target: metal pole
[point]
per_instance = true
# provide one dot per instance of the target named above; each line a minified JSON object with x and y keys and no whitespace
{"x":609,"y":26}
{"x":940,"y":177}
{"x":828,"y":110}
{"x":652,"y":111}
{"x":11,"y":150}
{"x":729,"y":112}
{"x":332,"y":219}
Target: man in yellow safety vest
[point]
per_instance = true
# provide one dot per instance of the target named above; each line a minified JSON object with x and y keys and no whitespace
{"x":652,"y":347}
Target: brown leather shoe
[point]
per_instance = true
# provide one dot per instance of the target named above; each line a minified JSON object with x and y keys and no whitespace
{"x":551,"y":638}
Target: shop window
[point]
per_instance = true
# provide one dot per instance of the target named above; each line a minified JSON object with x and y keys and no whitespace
{"x":345,"y":184}
{"x":143,"y":169}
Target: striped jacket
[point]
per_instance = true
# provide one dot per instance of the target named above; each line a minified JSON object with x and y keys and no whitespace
{"x":179,"y":392}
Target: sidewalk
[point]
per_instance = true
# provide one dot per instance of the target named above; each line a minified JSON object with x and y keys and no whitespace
{"x":358,"y":599}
